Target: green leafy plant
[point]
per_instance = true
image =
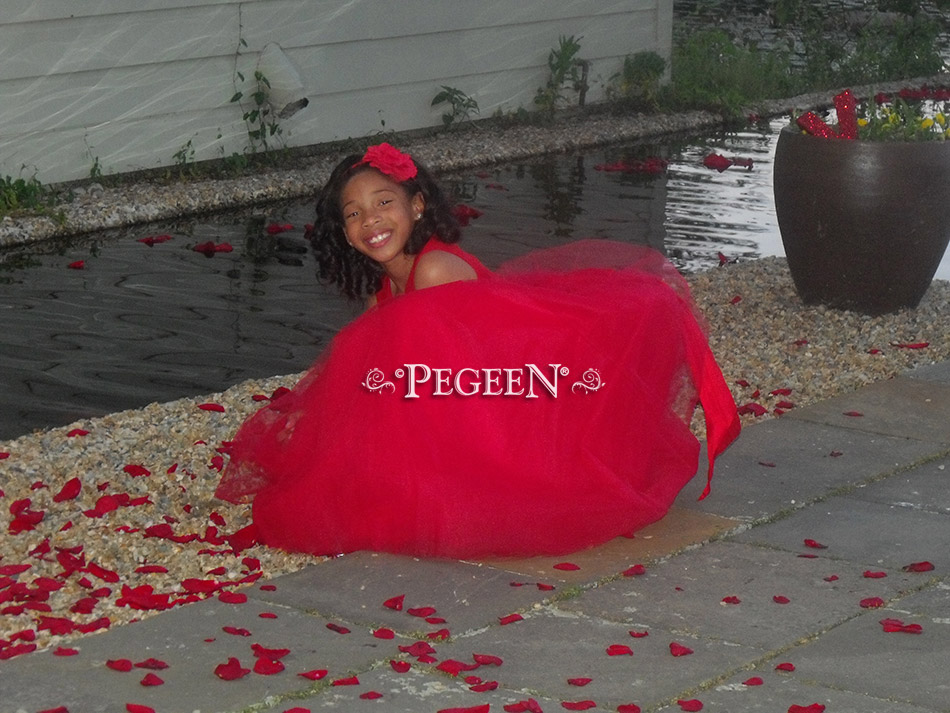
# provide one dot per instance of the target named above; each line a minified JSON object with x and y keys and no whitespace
{"x":461,"y":105}
{"x":95,"y":171}
{"x":263,"y":127}
{"x":23,"y":194}
{"x":185,"y":155}
{"x":566,"y":72}
{"x":638,"y":79}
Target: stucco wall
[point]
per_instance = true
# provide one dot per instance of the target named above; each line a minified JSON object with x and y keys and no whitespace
{"x":121,"y":85}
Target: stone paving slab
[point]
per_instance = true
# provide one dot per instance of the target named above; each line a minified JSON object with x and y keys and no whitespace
{"x":191,"y":641}
{"x":685,"y":595}
{"x":549,"y":647}
{"x":871,"y":534}
{"x":779,"y":464}
{"x":907,"y":407}
{"x":779,"y":691}
{"x":860,"y":656}
{"x":932,"y":372}
{"x":926,"y":487}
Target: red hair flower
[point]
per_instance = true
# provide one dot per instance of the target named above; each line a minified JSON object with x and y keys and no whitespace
{"x":390,"y":161}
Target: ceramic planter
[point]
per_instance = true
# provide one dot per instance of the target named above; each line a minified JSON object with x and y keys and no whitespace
{"x":864,"y":224}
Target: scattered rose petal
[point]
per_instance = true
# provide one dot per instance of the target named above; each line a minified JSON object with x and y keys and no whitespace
{"x":267,"y":667}
{"x":267,"y":615}
{"x":528,"y":706}
{"x":578,"y":705}
{"x":395,"y":603}
{"x":869,"y":574}
{"x":69,"y":491}
{"x":896,"y":625}
{"x":137,"y":708}
{"x":918,"y":567}
{"x":151,"y":679}
{"x":337,"y":628}
{"x":910,"y":345}
{"x":136,"y":470}
{"x":421,"y":612}
{"x":717,"y":162}
{"x":384,"y":634}
{"x":63,"y":651}
{"x":628,"y":708}
{"x":731,"y":600}
{"x":231,"y":671}
{"x":209,"y":248}
{"x":314,"y":675}
{"x":579,"y":681}
{"x":679,"y":650}
{"x":831,"y":578}
{"x":266,"y":653}
{"x":872,"y":603}
{"x":77,"y":265}
{"x":441,"y":634}
{"x":400,"y":666}
{"x":484,"y":687}
{"x":119,"y":664}
{"x":785,"y":667}
{"x":232,"y":597}
{"x":634,"y":571}
{"x":813,"y":708}
{"x":780,"y":599}
{"x":814,"y":544}
{"x":510,"y":619}
{"x":275,"y":228}
{"x":487,"y":660}
{"x":371,"y":695}
{"x":639,"y":634}
{"x":153,"y":664}
{"x":754,"y":681}
{"x":692,"y":704}
{"x":566,"y":566}
{"x":349,"y":681}
{"x":853,"y":414}
{"x":211,"y":407}
{"x":619,"y":650}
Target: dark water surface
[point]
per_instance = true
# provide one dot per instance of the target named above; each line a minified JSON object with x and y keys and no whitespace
{"x":141,"y":324}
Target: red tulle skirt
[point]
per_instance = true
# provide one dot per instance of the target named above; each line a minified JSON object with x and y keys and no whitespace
{"x":540,"y":411}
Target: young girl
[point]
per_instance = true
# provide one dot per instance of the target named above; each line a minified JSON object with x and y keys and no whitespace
{"x":540,"y":410}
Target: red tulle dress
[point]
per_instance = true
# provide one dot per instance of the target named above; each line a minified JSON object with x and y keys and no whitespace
{"x":540,"y":409}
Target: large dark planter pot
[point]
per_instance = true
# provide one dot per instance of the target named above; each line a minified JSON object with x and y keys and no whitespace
{"x":864,"y":224}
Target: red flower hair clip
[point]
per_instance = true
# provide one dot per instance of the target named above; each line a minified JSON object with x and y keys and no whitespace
{"x":390,"y":161}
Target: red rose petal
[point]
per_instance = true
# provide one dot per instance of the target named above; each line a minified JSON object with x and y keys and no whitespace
{"x":628,"y":708}
{"x":868,"y":574}
{"x":267,"y":667}
{"x":528,"y":706}
{"x":384,"y":634}
{"x":69,"y":491}
{"x":754,"y":681}
{"x":579,"y":681}
{"x":337,"y":628}
{"x":693,"y":704}
{"x":780,"y":599}
{"x":371,"y":695}
{"x":484,"y":708}
{"x":578,"y":705}
{"x":153,"y":664}
{"x":679,"y":650}
{"x":395,"y":603}
{"x":814,"y":544}
{"x":896,"y":625}
{"x":63,"y":651}
{"x":315,"y":675}
{"x":510,"y":619}
{"x":853,"y":414}
{"x":235,"y":631}
{"x":231,"y":671}
{"x":918,"y":567}
{"x":266,"y":653}
{"x":77,"y":265}
{"x":137,"y":708}
{"x":813,"y":708}
{"x":484,"y":687}
{"x":634,"y":571}
{"x":211,"y":407}
{"x":400,"y":666}
{"x":151,"y":679}
{"x":785,"y":667}
{"x":119,"y":664}
{"x":872,"y":603}
{"x":619,"y":650}
{"x":831,"y":578}
{"x":731,"y":600}
{"x":566,"y":566}
{"x":350,"y":681}
{"x":910,"y":345}
{"x":421,"y":611}
{"x":487,"y":660}
{"x":639,"y":634}
{"x":267,"y":615}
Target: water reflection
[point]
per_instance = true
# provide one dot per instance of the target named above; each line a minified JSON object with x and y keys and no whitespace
{"x":143,"y":324}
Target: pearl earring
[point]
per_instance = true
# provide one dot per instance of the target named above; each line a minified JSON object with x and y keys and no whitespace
{"x":418,"y":216}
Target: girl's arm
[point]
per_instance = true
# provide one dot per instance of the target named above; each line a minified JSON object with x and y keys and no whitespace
{"x":439,"y":267}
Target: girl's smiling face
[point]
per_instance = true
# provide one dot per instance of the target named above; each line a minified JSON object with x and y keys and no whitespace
{"x":378,"y":217}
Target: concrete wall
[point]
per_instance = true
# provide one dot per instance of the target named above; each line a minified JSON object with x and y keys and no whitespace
{"x":119,"y":85}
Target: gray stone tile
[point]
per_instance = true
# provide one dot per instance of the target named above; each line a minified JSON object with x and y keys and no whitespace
{"x":926,"y":487}
{"x":353,"y":589}
{"x":779,"y":464}
{"x":932,"y":372}
{"x":866,"y":533}
{"x":191,"y":641}
{"x":551,"y":646}
{"x":904,"y":407}
{"x":779,"y":691}
{"x":685,"y":595}
{"x":415,"y":691}
{"x":860,"y":656}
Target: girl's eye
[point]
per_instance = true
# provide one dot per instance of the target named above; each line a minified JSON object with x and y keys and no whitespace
{"x":386,"y":201}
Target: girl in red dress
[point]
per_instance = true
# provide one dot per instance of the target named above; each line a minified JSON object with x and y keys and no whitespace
{"x":541,"y":409}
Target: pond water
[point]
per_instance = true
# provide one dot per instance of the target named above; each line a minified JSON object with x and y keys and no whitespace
{"x":144,"y":323}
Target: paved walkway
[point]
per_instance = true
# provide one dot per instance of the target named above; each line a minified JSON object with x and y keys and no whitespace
{"x":732,"y":594}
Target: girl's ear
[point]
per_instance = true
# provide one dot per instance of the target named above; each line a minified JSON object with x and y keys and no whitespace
{"x":418,"y":204}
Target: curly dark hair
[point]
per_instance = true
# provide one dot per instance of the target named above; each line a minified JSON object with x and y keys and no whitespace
{"x":356,"y":275}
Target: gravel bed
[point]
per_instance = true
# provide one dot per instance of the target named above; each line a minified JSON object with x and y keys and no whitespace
{"x":110,"y":520}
